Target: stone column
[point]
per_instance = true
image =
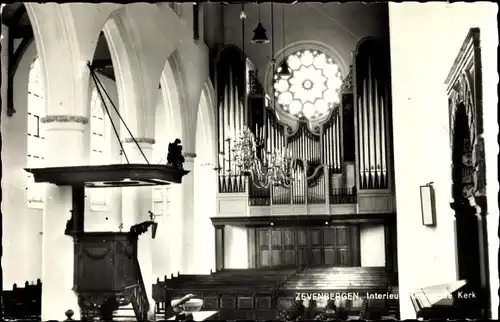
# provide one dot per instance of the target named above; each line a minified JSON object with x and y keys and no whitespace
{"x":136,"y":204}
{"x":188,"y":236}
{"x":64,"y":137}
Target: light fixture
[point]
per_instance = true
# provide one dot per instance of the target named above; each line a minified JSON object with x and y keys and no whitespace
{"x":274,"y":168}
{"x":284,"y":69}
{"x":259,"y":33}
{"x":266,"y":168}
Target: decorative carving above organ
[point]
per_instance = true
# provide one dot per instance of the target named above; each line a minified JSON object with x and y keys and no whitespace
{"x":347,"y":84}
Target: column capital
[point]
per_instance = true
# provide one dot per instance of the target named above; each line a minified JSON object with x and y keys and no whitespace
{"x":64,"y":119}
{"x":139,"y":140}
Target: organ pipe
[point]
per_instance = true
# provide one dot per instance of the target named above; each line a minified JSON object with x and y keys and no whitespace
{"x":305,"y":145}
{"x":318,"y":155}
{"x":371,"y":119}
{"x":232,"y":118}
{"x":332,"y":144}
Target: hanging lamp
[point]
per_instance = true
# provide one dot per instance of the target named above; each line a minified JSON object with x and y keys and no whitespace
{"x":259,"y":33}
{"x":284,"y":69}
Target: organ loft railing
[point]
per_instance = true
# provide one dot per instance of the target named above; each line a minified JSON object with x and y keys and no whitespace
{"x":319,"y":172}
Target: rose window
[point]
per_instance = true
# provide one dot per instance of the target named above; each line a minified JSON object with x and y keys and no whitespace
{"x":312,"y":89}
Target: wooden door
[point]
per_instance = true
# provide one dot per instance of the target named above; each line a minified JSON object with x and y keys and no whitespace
{"x":333,"y":246}
{"x":302,"y":247}
{"x":263,"y":247}
{"x":342,"y":246}
{"x":316,"y":258}
{"x":276,"y":247}
{"x":289,"y":253}
{"x":329,"y":248}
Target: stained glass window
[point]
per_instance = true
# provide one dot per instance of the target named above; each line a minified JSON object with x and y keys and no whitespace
{"x":36,"y":139}
{"x":312,"y":89}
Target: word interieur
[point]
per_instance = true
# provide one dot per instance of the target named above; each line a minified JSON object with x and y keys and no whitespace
{"x":345,"y":296}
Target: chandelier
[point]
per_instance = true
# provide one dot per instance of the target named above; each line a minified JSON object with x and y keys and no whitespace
{"x":265,"y":168}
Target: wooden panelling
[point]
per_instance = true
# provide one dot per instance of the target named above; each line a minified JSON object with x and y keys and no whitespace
{"x":245,"y":302}
{"x":234,"y":204}
{"x":375,"y":202}
{"x":263,"y":302}
{"x":211,"y":303}
{"x":261,"y":292}
{"x":219,"y":248}
{"x":295,"y":247}
{"x":252,"y":242}
{"x":356,"y":248}
{"x":227,"y":302}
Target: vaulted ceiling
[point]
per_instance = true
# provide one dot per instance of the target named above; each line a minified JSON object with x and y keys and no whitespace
{"x":15,"y":17}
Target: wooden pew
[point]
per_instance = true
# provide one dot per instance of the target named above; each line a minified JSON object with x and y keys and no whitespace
{"x":347,"y":285}
{"x":260,"y":293}
{"x":235,"y":293}
{"x":23,"y":302}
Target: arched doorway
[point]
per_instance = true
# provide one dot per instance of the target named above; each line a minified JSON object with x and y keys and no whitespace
{"x":469,"y":222}
{"x":469,"y":178}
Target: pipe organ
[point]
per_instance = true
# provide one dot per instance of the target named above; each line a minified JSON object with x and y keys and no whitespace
{"x":373,"y":114}
{"x":232,"y":69}
{"x":346,"y":153}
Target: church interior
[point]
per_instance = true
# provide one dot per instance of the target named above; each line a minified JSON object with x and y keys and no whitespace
{"x":249,"y":160}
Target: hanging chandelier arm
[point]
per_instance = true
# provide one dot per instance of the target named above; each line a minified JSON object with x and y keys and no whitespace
{"x":94,"y":77}
{"x":117,"y":112}
{"x":264,"y":184}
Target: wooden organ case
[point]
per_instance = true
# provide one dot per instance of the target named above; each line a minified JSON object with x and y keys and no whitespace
{"x":373,"y":124}
{"x":344,"y":164}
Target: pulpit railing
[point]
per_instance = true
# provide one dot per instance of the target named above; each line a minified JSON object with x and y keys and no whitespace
{"x":311,"y":185}
{"x":139,"y":297}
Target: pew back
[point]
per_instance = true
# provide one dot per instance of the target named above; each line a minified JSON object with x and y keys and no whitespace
{"x":262,"y":293}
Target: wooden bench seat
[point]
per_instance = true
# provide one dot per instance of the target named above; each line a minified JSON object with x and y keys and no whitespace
{"x":339,"y":279}
{"x":257,"y":293}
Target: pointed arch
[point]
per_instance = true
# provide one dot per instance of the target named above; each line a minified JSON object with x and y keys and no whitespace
{"x":207,"y":114}
{"x":173,"y":98}
{"x":205,"y":180}
{"x":126,"y":73}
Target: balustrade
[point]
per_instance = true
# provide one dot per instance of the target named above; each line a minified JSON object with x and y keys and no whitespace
{"x":317,"y":188}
